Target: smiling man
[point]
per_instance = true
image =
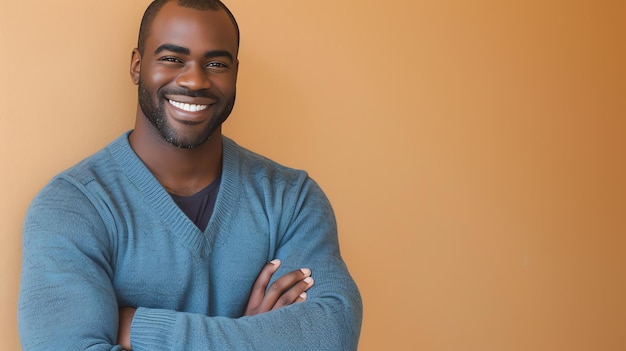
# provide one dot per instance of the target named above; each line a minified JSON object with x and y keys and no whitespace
{"x":173,"y":237}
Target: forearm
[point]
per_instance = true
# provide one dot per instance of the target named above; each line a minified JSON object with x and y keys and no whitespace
{"x":318,"y":324}
{"x":330,"y":319}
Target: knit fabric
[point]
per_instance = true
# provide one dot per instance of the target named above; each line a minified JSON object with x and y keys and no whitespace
{"x":105,"y":234}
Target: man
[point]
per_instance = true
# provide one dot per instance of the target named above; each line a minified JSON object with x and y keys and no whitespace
{"x":161,"y":240}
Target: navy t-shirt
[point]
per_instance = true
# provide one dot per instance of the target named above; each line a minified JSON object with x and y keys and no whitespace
{"x":199,"y":206}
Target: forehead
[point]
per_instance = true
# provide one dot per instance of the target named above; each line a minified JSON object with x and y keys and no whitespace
{"x":194,"y":29}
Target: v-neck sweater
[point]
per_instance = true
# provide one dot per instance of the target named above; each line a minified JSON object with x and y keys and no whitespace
{"x":105,"y":234}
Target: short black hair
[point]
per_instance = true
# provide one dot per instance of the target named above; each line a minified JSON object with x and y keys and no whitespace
{"x":156,"y":5}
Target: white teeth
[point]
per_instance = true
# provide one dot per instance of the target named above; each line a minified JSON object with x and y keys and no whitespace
{"x":188,"y":107}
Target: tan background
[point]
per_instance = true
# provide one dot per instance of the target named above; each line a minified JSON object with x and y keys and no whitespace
{"x":473,"y":150}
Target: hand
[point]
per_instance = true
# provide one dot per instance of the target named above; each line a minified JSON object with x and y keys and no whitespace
{"x":126,"y":319}
{"x":288,"y":289}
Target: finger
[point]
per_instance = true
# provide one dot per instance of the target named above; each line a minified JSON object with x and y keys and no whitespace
{"x":296,"y":294}
{"x":283,"y":285}
{"x":302,"y":297}
{"x":260,"y":284}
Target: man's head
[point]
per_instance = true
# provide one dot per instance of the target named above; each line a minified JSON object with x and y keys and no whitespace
{"x":186,"y":68}
{"x":155,"y":6}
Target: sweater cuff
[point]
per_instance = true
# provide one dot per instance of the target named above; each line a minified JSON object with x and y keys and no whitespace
{"x":152,"y":329}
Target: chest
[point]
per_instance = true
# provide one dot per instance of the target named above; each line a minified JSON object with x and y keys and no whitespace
{"x":178,"y":267}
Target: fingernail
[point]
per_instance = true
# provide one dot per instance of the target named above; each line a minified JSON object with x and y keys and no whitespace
{"x":303,"y":296}
{"x":308,"y":280}
{"x":275,"y":261}
{"x":305,"y":271}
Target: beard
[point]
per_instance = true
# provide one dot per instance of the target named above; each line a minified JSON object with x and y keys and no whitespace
{"x":155,"y":113}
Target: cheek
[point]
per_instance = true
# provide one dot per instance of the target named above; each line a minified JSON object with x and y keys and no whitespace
{"x":155,"y":78}
{"x":225,"y":84}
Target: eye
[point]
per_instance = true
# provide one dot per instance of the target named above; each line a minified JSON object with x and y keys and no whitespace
{"x":171,"y":59}
{"x":217,"y":66}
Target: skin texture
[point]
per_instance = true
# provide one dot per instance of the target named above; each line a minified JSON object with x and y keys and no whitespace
{"x":190,"y":56}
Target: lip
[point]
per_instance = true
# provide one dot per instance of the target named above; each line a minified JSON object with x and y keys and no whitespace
{"x":188,"y":107}
{"x":190,"y":99}
{"x":189,"y":110}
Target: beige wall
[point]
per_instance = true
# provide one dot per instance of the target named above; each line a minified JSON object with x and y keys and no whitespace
{"x":473,"y":150}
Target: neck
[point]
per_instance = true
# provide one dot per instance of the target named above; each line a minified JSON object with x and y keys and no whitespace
{"x":180,"y":171}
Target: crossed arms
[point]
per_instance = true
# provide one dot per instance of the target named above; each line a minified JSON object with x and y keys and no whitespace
{"x":72,"y":295}
{"x":289,"y":289}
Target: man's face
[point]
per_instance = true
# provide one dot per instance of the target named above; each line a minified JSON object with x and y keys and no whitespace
{"x":188,"y":73}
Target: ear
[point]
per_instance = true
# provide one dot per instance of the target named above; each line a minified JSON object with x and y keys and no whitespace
{"x":135,"y":66}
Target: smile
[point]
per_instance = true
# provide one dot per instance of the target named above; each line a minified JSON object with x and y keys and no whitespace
{"x":188,"y":107}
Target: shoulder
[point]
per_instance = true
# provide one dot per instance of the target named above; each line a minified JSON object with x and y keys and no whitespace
{"x":260,"y":167}
{"x":259,"y":176}
{"x":91,"y":175}
{"x":82,"y":195}
{"x":281,"y":190}
{"x":99,"y":166}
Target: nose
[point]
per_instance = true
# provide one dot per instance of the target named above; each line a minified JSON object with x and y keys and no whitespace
{"x":194,"y":77}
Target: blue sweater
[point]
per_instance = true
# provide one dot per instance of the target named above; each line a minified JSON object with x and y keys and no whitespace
{"x":105,"y":234}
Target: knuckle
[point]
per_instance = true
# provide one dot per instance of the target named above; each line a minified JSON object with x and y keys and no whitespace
{"x":285,"y":300}
{"x":276,"y":286}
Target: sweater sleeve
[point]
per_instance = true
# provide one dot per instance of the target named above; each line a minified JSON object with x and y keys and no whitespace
{"x":66,"y":299}
{"x":330,"y":319}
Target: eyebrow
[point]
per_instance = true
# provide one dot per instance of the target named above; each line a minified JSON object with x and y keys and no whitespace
{"x":218,"y":53}
{"x":185,"y":51}
{"x":173,"y":48}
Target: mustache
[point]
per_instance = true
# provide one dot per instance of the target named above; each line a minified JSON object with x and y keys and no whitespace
{"x":203,"y":93}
